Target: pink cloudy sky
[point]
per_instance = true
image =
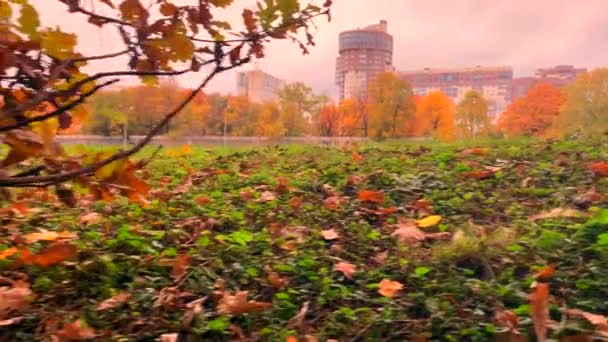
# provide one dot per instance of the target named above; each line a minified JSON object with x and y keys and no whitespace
{"x":432,"y":33}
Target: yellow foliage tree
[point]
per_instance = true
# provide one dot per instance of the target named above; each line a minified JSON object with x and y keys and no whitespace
{"x":435,"y":116}
{"x":391,"y":105}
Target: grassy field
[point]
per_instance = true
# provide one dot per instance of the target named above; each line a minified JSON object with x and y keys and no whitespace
{"x":314,"y":234}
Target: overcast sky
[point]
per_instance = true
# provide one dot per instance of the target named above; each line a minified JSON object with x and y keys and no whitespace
{"x":524,"y":34}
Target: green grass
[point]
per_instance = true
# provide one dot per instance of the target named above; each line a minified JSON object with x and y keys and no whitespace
{"x":452,"y":288}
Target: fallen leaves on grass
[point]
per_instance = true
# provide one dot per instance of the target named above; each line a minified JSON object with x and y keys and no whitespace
{"x":275,"y":279}
{"x":8,"y":252}
{"x":346,"y":268}
{"x":506,"y":319}
{"x":76,"y":331}
{"x":54,"y":254}
{"x":332,"y":202}
{"x":479,"y":174}
{"x":428,"y":221}
{"x":557,"y":212}
{"x":46,"y":235}
{"x":407,"y":232}
{"x":475,"y":151}
{"x":389,"y":288}
{"x":180,"y":264}
{"x":600,"y":322}
{"x":371,"y":196}
{"x":14,"y":299}
{"x":267,"y":196}
{"x":90,"y":218}
{"x":114,"y":301}
{"x":238,"y":304}
{"x":295,"y":203}
{"x":330,"y":234}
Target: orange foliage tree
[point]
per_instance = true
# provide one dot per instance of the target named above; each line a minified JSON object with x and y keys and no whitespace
{"x":435,"y":116}
{"x":533,"y":114}
{"x":328,"y":119}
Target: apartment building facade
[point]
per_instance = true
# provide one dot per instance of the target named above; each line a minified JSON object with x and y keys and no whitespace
{"x":258,"y":86}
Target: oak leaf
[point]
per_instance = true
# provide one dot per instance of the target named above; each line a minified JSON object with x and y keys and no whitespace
{"x":238,"y":304}
{"x":346,"y":268}
{"x":389,"y":288}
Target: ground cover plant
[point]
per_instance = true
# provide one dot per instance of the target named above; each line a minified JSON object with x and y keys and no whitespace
{"x":378,"y":242}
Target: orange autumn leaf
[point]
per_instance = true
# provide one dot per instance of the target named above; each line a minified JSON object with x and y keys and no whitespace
{"x":545,"y":274}
{"x":330,"y":234}
{"x":14,"y":299}
{"x":76,"y":331}
{"x":275,"y":279}
{"x":506,"y":319}
{"x":238,"y":304}
{"x":389,"y":288}
{"x":356,"y":157}
{"x":21,"y":207}
{"x":291,"y":339}
{"x":8,"y":252}
{"x":600,"y":322}
{"x":186,"y":149}
{"x":180,"y":264}
{"x":46,"y":235}
{"x":202,"y":200}
{"x":114,"y":301}
{"x":346,"y":268}
{"x":476,"y":151}
{"x":387,"y":211}
{"x":54,"y":254}
{"x":539,"y":310}
{"x":371,"y":196}
{"x":599,"y":168}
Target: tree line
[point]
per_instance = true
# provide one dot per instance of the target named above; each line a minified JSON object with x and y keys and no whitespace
{"x":390,"y":110}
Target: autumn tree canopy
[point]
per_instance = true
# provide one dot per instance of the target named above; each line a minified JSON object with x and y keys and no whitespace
{"x":391,"y":105}
{"x":435,"y":116}
{"x":44,"y":79}
{"x":472,"y":114}
{"x":533,"y":114}
{"x":585,"y":109}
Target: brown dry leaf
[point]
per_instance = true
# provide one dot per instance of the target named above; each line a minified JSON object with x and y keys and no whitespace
{"x":587,"y":198}
{"x":114,"y":301}
{"x":173,"y":337}
{"x":332,"y":202}
{"x":600,"y":322}
{"x":14,"y":299}
{"x":193,"y":309}
{"x":506,"y":319}
{"x":46,"y":235}
{"x":479,"y":174}
{"x":11,"y":321}
{"x":267,"y":196}
{"x":184,"y":186}
{"x":408,"y":233}
{"x":90,"y":218}
{"x":275,"y":279}
{"x":476,"y":151}
{"x":202,"y":200}
{"x":380,"y":258}
{"x":297,"y":321}
{"x":76,"y":331}
{"x":539,"y":310}
{"x":238,"y":304}
{"x":295,"y":203}
{"x":371,"y":196}
{"x":389,"y":288}
{"x":245,"y":195}
{"x":422,"y":206}
{"x":180,"y":264}
{"x":54,"y":254}
{"x":346,"y":268}
{"x":557,"y":212}
{"x":330,"y":234}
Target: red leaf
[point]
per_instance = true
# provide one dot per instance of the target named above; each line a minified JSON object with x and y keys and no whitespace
{"x":180,"y":264}
{"x":295,"y":203}
{"x":599,"y":168}
{"x":545,"y":274}
{"x":332,"y":202}
{"x":539,"y":310}
{"x":371,"y":196}
{"x":479,"y":174}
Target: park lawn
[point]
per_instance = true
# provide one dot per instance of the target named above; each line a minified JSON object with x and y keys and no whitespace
{"x":314,"y":234}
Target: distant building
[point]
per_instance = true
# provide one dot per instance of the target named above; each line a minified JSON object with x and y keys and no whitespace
{"x":557,"y":76}
{"x":258,"y":86}
{"x":364,"y":53}
{"x":493,"y":83}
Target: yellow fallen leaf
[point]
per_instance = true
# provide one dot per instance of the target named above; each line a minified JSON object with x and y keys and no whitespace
{"x":428,"y":221}
{"x":7,"y":253}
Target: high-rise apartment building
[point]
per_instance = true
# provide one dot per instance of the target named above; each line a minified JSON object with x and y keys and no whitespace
{"x":364,"y":53}
{"x":557,"y":76}
{"x":258,"y":86}
{"x":493,"y":83}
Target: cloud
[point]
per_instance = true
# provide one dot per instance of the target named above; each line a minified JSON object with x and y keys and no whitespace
{"x":433,"y":33}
